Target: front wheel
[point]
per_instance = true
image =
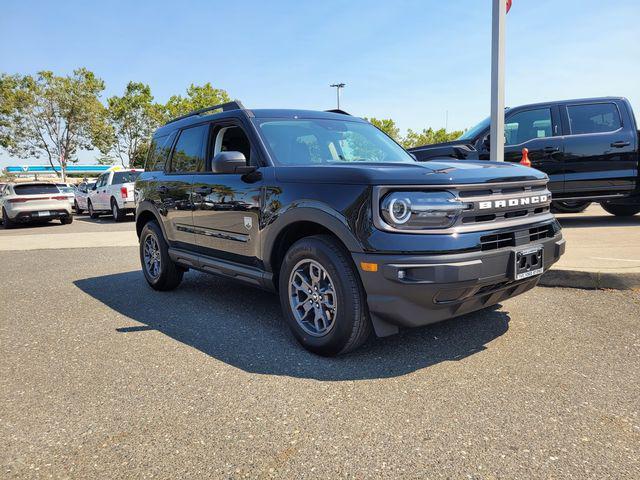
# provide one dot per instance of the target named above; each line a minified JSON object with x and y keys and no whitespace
{"x":621,"y":210}
{"x":569,"y":206}
{"x":322,"y":298}
{"x":159,"y":270}
{"x":92,"y":213}
{"x":77,"y":208}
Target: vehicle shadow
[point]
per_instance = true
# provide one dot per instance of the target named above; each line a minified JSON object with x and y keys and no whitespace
{"x":582,"y":221}
{"x":243,"y":327}
{"x":103,"y":219}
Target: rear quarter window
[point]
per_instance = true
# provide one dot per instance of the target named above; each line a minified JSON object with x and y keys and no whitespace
{"x":124,"y":177}
{"x":35,"y":189}
{"x":159,"y":152}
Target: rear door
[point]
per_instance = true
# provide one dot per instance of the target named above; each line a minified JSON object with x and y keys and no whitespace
{"x":227,"y":206}
{"x":174,"y":188}
{"x":599,"y":149}
{"x":538,"y":130}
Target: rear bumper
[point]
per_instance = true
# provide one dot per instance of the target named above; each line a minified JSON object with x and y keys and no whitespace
{"x":432,"y":288}
{"x":27,"y":213}
{"x":25,"y":217}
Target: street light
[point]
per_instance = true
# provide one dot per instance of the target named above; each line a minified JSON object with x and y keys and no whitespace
{"x":338,"y":87}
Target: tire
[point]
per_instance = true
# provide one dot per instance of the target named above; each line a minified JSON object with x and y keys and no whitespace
{"x":348,"y":325}
{"x":92,"y":213}
{"x":621,"y":210}
{"x":118,"y":215}
{"x":168,"y":275}
{"x":77,"y":208}
{"x":569,"y":206}
{"x":66,"y":220}
{"x":7,"y":223}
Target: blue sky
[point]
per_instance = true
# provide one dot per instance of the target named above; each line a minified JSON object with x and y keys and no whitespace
{"x":410,"y":60}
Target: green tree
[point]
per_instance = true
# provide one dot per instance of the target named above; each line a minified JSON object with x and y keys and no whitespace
{"x":428,"y":136}
{"x":198,"y":96}
{"x":133,"y":117}
{"x":53,"y":116}
{"x":387,"y":125}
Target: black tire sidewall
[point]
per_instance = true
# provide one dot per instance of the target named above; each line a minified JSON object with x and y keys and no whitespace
{"x":117,"y":214}
{"x":348,"y":307}
{"x":621,"y":210}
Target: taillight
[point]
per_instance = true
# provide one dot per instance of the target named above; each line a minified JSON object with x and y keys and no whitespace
{"x":60,"y":197}
{"x":20,"y":200}
{"x":124,"y":192}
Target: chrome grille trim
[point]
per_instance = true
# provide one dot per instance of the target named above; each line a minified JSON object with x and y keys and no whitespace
{"x":502,"y":217}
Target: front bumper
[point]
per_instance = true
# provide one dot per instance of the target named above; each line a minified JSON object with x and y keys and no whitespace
{"x":432,"y":288}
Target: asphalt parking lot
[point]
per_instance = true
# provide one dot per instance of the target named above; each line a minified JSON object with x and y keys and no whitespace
{"x":101,"y":377}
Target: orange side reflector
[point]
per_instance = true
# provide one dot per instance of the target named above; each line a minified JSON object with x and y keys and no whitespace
{"x":369,"y":267}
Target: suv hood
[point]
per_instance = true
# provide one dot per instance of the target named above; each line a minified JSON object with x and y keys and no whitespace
{"x":440,"y":172}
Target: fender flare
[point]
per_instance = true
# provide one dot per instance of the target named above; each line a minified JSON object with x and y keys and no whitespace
{"x":144,"y":207}
{"x":320,"y":214}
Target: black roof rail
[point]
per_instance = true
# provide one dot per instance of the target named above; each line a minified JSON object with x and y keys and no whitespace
{"x":225,"y":107}
{"x":337,"y":110}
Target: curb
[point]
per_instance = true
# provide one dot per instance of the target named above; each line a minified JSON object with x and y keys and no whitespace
{"x":590,"y":280}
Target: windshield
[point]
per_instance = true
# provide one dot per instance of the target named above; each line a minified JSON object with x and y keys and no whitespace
{"x":473,"y":132}
{"x":320,"y":141}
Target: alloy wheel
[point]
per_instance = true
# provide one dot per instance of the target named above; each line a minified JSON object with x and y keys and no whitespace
{"x":151,"y":253}
{"x":312,"y":297}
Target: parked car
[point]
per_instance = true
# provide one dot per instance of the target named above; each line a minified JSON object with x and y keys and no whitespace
{"x":33,"y":201}
{"x":588,"y":147}
{"x":82,"y":194}
{"x":341,"y":221}
{"x":69,"y":190}
{"x":114,"y":193}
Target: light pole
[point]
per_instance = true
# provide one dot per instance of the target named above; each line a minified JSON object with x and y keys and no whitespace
{"x":338,"y":87}
{"x":499,"y":15}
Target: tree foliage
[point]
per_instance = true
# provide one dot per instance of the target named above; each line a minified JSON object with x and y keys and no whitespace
{"x":198,"y":96}
{"x":52,"y":116}
{"x":428,"y":136}
{"x":133,"y":117}
{"x":387,"y":125}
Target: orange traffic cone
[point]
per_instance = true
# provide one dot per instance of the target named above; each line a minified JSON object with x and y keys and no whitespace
{"x":525,"y":158}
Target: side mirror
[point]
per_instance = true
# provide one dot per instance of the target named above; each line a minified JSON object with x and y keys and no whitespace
{"x":94,"y":187}
{"x":230,"y":162}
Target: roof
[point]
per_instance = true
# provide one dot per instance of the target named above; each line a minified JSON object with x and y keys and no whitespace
{"x":257,"y":113}
{"x":573,"y":100}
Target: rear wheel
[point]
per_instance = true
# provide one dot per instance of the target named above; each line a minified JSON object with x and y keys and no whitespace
{"x":621,"y":210}
{"x":66,"y":220}
{"x":569,"y":206}
{"x":159,"y":270}
{"x":79,"y":211}
{"x":322,"y":297}
{"x":6,"y":221}
{"x":92,"y":213}
{"x":118,"y":215}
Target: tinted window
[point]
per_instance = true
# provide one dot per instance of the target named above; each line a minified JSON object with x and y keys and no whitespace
{"x":188,"y":155}
{"x":527,"y":125}
{"x":594,"y":118}
{"x":314,"y":141}
{"x":124,"y":177}
{"x":159,"y":152}
{"x":35,"y":189}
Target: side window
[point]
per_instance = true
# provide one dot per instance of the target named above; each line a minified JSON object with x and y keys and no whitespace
{"x":594,"y":118}
{"x":100,"y":181}
{"x":188,"y":154}
{"x":527,"y":125}
{"x":159,"y":151}
{"x":231,"y":139}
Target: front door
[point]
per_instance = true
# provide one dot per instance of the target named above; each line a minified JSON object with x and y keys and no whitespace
{"x":227,"y":206}
{"x":537,"y":130}
{"x":600,"y":153}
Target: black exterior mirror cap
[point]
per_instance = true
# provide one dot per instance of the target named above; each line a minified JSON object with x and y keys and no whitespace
{"x":230,"y":162}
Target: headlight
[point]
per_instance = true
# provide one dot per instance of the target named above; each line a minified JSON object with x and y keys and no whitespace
{"x":421,"y":210}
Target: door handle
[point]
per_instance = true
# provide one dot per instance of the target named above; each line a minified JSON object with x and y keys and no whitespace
{"x":550,"y":149}
{"x":162,"y":189}
{"x":203,"y":190}
{"x":620,"y":144}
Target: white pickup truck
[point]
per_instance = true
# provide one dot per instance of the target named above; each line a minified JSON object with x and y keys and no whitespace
{"x":113,"y":192}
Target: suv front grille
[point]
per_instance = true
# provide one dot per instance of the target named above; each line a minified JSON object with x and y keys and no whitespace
{"x":515,"y":239}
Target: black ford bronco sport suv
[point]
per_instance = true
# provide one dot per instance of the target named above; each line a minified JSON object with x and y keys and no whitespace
{"x":341,"y":221}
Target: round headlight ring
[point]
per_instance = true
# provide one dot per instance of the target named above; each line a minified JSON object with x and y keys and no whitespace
{"x":400,"y":210}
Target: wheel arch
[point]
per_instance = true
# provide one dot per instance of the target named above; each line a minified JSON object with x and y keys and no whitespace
{"x":146,"y":213}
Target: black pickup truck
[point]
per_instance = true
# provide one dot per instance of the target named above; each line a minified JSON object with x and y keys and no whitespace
{"x":589,"y":148}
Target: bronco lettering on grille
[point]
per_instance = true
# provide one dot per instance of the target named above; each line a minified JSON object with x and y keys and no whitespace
{"x":513,"y":202}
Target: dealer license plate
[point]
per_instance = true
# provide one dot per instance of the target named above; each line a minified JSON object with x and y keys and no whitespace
{"x":528,"y":263}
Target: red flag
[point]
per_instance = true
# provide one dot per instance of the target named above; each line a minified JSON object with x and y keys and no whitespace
{"x":509,"y":5}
